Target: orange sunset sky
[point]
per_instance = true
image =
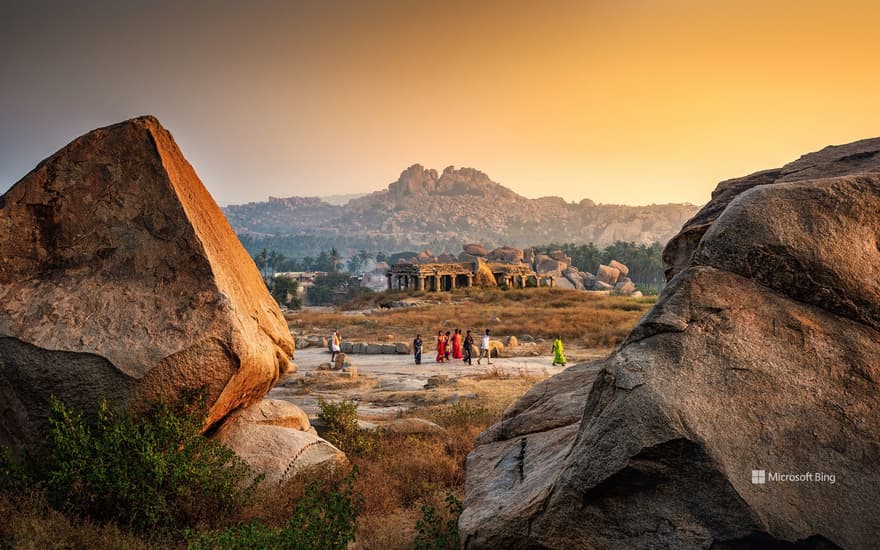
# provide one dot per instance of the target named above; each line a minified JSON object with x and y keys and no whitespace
{"x":621,"y":102}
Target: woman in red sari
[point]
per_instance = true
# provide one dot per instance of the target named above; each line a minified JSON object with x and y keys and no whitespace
{"x":441,"y":347}
{"x":456,"y":344}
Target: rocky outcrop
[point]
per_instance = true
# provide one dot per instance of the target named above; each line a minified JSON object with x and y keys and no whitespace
{"x":475,"y":249}
{"x":275,"y":438}
{"x":507,"y":254}
{"x":758,"y":356}
{"x":121,"y":279}
{"x":860,"y":157}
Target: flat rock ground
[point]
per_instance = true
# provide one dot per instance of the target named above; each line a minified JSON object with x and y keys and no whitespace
{"x":389,"y":385}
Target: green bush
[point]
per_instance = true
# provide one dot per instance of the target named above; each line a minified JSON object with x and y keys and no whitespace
{"x":156,"y":472}
{"x":343,"y":430}
{"x":324,"y":518}
{"x":432,"y":533}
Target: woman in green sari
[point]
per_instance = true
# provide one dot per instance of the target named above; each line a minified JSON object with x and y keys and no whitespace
{"x":558,"y":355}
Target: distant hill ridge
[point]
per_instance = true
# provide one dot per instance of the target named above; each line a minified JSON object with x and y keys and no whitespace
{"x":424,"y":208}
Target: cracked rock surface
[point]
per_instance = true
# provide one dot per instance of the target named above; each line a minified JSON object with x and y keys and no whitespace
{"x":761,"y":354}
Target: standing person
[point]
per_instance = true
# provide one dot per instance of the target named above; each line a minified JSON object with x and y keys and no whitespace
{"x":447,"y":345}
{"x":558,"y":355}
{"x":468,"y":348}
{"x":441,"y":348}
{"x":417,"y":349}
{"x":484,"y":349}
{"x":456,"y":344}
{"x":335,"y":345}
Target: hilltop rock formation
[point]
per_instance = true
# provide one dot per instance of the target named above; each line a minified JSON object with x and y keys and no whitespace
{"x":760,"y":354}
{"x":451,"y":207}
{"x":121,"y":279}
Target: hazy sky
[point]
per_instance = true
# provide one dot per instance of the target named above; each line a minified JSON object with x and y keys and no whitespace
{"x":618,"y":101}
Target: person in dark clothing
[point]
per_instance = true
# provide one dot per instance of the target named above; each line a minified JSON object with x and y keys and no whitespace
{"x":417,"y":349}
{"x":468,"y":347}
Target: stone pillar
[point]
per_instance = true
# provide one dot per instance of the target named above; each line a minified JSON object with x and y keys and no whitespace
{"x":551,"y":282}
{"x":406,"y":282}
{"x":389,"y":280}
{"x":420,"y":283}
{"x":436,"y":282}
{"x":452,"y":282}
{"x":470,"y":282}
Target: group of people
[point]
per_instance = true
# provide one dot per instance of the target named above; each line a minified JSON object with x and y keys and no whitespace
{"x":454,"y":345}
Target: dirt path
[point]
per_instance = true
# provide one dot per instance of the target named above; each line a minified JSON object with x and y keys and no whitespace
{"x":389,"y":384}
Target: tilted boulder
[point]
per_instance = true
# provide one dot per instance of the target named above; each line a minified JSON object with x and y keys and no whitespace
{"x":607,"y":274}
{"x":120,"y":278}
{"x":551,"y":266}
{"x":759,"y":356}
{"x":624,"y":271}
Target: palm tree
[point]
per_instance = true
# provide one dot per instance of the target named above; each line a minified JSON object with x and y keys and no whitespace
{"x":334,"y":259}
{"x":264,"y":261}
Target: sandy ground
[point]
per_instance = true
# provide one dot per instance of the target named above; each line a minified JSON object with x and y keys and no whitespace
{"x":389,"y":384}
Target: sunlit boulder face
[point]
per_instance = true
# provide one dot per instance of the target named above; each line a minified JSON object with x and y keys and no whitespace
{"x":121,"y":279}
{"x":759,"y":356}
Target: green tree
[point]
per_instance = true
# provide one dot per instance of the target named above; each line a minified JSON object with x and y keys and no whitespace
{"x":285,"y":290}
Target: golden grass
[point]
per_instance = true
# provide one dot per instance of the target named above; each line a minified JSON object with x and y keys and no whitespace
{"x":581,"y":318}
{"x":30,"y":524}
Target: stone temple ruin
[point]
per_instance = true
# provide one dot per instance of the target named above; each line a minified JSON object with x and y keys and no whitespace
{"x":505,"y":266}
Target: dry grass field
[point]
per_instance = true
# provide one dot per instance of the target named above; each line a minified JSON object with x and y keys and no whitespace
{"x":583,"y":319}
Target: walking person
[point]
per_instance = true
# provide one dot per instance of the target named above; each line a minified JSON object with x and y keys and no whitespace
{"x":441,"y":348}
{"x":447,"y":347}
{"x":417,"y":349}
{"x":468,"y":348}
{"x":335,"y":346}
{"x":558,"y":355}
{"x":456,"y":344}
{"x":484,"y":349}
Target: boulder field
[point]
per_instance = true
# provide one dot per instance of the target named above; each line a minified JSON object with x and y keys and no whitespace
{"x":742,"y":410}
{"x":121,"y":279}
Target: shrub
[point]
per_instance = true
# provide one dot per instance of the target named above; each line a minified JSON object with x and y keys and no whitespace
{"x":343,"y":430}
{"x":324,"y":517}
{"x":155,"y":473}
{"x":432,"y":533}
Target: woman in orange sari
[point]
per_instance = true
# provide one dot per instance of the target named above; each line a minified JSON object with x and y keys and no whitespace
{"x":441,"y":347}
{"x":456,"y":344}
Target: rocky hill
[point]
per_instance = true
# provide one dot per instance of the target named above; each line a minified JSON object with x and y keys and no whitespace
{"x":424,"y":208}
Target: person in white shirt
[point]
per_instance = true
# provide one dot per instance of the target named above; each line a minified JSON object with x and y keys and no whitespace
{"x":484,"y":349}
{"x":335,"y":346}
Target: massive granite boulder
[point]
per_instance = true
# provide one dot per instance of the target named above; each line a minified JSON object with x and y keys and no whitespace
{"x":758,"y":361}
{"x":121,"y":279}
{"x":836,"y":160}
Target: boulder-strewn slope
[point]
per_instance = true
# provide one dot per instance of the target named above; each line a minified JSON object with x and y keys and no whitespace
{"x":424,"y":207}
{"x":759,"y":355}
{"x":120,"y":278}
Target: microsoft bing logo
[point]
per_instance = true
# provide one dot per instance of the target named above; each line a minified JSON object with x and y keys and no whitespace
{"x":759,"y":477}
